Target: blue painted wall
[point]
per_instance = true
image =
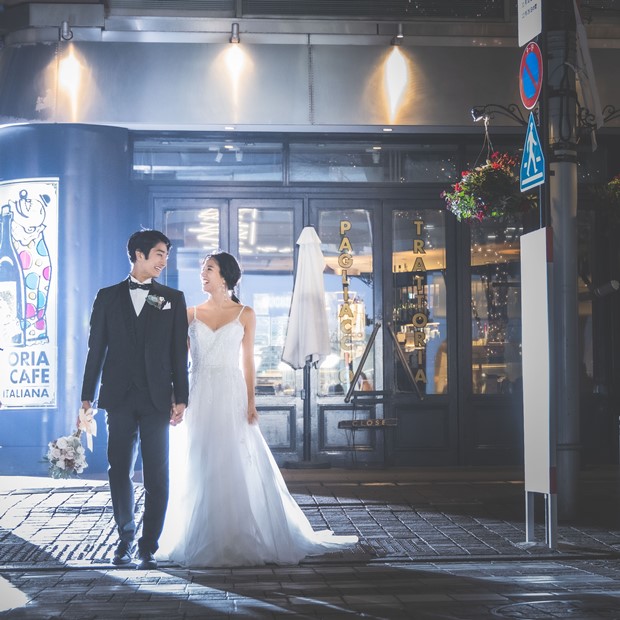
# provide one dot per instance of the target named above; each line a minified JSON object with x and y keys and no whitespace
{"x":96,"y":216}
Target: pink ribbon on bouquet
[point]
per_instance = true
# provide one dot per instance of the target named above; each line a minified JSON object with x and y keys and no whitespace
{"x":88,"y":425}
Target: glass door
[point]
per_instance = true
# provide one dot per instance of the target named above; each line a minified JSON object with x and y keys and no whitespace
{"x":419,"y":312}
{"x":350,"y":244}
{"x":261,"y":233}
{"x":491,"y":389}
{"x":420,"y":300}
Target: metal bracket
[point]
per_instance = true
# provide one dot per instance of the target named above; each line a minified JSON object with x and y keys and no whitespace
{"x":610,"y":113}
{"x":488,"y":111}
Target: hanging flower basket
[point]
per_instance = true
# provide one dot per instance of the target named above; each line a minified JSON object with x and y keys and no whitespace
{"x":489,"y":191}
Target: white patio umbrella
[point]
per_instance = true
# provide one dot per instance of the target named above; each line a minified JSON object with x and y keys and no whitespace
{"x":307,"y":334}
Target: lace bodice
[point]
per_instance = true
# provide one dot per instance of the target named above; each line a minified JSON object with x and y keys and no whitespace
{"x":215,"y":348}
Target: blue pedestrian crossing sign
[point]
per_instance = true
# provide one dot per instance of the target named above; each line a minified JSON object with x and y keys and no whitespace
{"x":533,"y":161}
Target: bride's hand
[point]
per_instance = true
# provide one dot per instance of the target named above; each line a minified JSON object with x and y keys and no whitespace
{"x":176,"y":414}
{"x":252,"y":415}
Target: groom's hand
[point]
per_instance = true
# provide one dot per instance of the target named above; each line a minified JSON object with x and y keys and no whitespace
{"x":176,"y":413}
{"x":86,"y":405}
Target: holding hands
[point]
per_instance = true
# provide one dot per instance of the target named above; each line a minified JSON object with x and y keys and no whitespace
{"x":177,"y":411}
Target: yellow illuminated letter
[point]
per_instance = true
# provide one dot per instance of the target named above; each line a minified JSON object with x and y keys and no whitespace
{"x":419,"y":265}
{"x":345,"y":260}
{"x":345,"y":245}
{"x":418,"y":246}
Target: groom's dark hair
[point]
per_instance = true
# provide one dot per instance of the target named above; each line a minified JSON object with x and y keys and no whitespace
{"x":144,"y":241}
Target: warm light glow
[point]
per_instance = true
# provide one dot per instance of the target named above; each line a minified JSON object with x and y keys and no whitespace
{"x":69,"y":79}
{"x":396,"y":80}
{"x":236,"y":61}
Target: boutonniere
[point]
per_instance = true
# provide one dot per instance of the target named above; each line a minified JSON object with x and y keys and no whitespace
{"x":156,"y":301}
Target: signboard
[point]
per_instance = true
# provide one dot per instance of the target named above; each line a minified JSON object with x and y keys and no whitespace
{"x":368,"y":423}
{"x":539,"y":423}
{"x":536,"y":355}
{"x":530,"y":75}
{"x":529,"y":20}
{"x":533,"y":161}
{"x":28,"y":293}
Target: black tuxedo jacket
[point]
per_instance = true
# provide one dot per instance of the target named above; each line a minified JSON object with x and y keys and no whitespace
{"x":112,"y":347}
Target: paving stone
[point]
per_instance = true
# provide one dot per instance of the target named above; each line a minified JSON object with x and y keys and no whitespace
{"x":431,"y":547}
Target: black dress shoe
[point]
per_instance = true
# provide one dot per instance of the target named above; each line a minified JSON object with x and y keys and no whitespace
{"x":124,"y":553}
{"x":147,"y":561}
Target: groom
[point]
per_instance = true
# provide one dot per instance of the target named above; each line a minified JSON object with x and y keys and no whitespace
{"x":138,"y":348}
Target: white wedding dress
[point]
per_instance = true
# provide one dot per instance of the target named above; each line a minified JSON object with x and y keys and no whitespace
{"x":229,"y":505}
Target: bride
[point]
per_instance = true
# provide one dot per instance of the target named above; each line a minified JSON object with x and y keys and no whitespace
{"x":229,"y":505}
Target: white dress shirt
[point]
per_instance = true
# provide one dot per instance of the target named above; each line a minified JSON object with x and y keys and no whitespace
{"x":138,"y":295}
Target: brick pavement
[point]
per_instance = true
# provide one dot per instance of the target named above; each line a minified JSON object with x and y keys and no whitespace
{"x":433,"y":544}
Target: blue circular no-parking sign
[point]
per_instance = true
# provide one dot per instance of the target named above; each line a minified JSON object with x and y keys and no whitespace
{"x":530,"y":75}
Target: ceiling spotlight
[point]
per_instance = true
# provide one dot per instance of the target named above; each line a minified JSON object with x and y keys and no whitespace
{"x":66,"y":34}
{"x":234,"y":33}
{"x":397,"y":39}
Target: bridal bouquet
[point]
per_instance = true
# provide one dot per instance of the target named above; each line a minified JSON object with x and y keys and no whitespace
{"x":66,"y":456}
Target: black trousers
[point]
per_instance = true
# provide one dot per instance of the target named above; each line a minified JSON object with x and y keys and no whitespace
{"x":136,"y":421}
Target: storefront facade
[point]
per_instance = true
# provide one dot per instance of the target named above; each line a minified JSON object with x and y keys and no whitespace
{"x":440,"y":298}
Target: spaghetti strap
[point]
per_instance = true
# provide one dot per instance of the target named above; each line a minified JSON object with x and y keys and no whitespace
{"x":239,"y":315}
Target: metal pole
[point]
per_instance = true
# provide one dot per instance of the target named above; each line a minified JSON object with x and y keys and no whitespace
{"x":306,"y":396}
{"x":562,"y":121}
{"x":307,"y":413}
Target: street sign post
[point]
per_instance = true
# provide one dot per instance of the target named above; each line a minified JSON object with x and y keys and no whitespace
{"x":529,"y":20}
{"x":533,"y":161}
{"x":530,"y":75}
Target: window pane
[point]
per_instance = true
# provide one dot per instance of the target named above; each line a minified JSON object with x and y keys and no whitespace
{"x":266,"y":239}
{"x":346,"y":242}
{"x":266,"y":242}
{"x":419,"y":312}
{"x":207,"y":160}
{"x":496,"y":307}
{"x":371,"y":163}
{"x":193,"y":227}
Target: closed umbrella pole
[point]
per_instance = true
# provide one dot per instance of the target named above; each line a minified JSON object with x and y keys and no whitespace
{"x":307,"y":334}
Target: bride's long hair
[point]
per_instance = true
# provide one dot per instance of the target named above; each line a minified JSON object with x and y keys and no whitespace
{"x":229,"y":270}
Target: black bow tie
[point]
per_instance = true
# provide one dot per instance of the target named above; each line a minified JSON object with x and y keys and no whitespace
{"x":133,"y":285}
